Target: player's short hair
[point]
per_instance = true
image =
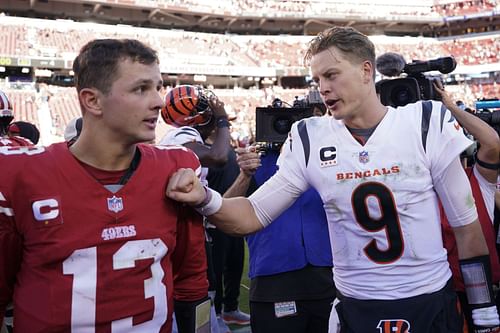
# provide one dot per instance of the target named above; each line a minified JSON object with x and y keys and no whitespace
{"x":352,"y":43}
{"x":97,"y":63}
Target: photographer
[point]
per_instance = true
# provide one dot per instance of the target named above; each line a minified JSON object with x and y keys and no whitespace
{"x":483,"y":177}
{"x":291,"y":287}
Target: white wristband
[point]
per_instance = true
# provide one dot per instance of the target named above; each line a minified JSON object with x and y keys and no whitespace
{"x":213,"y":203}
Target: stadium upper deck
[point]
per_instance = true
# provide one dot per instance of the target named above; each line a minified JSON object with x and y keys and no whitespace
{"x":302,"y":17}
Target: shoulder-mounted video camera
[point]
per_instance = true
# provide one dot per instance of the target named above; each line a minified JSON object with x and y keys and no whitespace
{"x":416,"y":85}
{"x":275,"y":121}
{"x":489,"y":111}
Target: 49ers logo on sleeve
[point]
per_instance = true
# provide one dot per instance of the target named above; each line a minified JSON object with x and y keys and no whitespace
{"x":393,"y":326}
{"x":47,"y":212}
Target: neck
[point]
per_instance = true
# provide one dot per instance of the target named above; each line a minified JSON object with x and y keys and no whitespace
{"x":369,"y":115}
{"x":104,"y":156}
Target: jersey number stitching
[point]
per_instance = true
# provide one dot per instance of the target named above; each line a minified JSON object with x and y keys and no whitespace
{"x":82,"y":264}
{"x":388,"y":221}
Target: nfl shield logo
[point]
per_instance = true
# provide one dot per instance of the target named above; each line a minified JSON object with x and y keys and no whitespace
{"x":363,"y":157}
{"x":115,"y":204}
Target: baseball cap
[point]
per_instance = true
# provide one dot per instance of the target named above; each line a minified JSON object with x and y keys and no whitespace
{"x":73,"y":129}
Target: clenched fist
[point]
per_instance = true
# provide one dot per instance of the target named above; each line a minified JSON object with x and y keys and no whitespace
{"x":184,"y":186}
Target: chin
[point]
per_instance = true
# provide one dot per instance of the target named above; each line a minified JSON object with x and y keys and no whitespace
{"x":337,"y":115}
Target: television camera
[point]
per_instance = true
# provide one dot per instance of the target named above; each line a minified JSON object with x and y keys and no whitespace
{"x":416,"y":85}
{"x":275,"y":121}
{"x":489,"y":111}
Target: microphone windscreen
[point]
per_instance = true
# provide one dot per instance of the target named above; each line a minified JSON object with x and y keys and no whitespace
{"x":390,"y":64}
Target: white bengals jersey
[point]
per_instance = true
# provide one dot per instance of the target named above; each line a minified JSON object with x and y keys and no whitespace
{"x":379,"y":198}
{"x":182,"y":135}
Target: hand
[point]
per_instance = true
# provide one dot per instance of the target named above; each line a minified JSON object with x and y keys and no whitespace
{"x":486,"y":320}
{"x":184,"y":186}
{"x":217,"y":107}
{"x":248,"y":160}
{"x":445,"y":97}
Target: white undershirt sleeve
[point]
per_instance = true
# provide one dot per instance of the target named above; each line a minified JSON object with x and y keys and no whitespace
{"x":455,"y":193}
{"x":274,"y":197}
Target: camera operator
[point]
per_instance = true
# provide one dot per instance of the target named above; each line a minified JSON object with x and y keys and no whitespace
{"x":483,"y":177}
{"x":291,"y":286}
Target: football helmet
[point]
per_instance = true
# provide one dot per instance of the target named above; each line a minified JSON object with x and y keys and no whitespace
{"x":187,"y":105}
{"x":6,"y":113}
{"x":5,"y":106}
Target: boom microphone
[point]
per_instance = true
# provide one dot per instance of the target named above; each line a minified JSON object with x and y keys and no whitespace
{"x":390,"y":64}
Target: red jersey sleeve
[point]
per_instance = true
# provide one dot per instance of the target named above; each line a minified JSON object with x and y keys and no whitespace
{"x":10,"y":245}
{"x":189,"y":260}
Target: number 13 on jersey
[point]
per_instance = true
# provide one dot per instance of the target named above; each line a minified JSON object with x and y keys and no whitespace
{"x":82,"y":264}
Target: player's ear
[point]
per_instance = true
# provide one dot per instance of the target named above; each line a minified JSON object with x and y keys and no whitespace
{"x":90,"y":100}
{"x":367,"y":68}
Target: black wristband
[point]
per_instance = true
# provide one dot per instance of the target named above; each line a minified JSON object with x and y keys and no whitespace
{"x":476,"y":274}
{"x":485,"y":165}
{"x":222,"y":122}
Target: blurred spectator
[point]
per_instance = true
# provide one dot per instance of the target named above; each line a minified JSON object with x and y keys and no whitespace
{"x":196,"y":113}
{"x":482,"y":177}
{"x":24,"y":129}
{"x":228,"y":252}
{"x":6,"y":117}
{"x":73,"y":130}
{"x":291,"y":288}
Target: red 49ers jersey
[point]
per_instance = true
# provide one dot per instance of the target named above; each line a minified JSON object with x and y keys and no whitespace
{"x":79,"y":258}
{"x":380,"y":201}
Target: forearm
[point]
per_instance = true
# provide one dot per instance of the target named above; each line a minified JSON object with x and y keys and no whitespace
{"x":239,"y":186}
{"x":480,"y":130}
{"x":222,"y":144}
{"x":470,"y":241}
{"x":236,"y":217}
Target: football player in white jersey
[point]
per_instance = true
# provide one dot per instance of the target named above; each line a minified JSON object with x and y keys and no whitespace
{"x":380,"y":172}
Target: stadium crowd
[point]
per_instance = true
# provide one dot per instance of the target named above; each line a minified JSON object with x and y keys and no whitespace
{"x":279,"y":8}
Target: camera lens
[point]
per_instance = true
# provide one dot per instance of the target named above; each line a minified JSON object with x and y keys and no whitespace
{"x":401,"y":96}
{"x":282,"y":125}
{"x":495,"y":118}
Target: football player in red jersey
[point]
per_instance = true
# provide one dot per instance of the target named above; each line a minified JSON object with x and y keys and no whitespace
{"x":6,"y":116}
{"x":380,"y":172}
{"x":88,"y":241}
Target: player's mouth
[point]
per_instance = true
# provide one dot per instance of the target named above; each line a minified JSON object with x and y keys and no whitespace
{"x":331,"y":103}
{"x":151,"y":122}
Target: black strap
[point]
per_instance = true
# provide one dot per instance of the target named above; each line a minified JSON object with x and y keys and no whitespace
{"x":426,"y":120}
{"x":132,"y":167}
{"x":490,"y":166}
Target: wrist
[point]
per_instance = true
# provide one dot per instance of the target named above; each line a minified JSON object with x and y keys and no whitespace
{"x":206,"y":200}
{"x":222,"y":121}
{"x":211,"y":204}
